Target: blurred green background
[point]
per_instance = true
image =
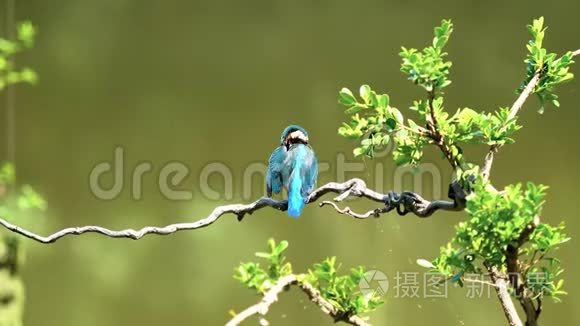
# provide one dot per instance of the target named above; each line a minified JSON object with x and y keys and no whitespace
{"x":217,"y":81}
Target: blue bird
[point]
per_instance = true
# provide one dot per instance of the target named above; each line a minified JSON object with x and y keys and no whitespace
{"x":293,"y":166}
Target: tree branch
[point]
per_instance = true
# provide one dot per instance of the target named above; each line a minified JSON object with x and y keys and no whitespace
{"x":405,"y":203}
{"x":432,"y":118}
{"x":314,"y":295}
{"x":517,"y":278}
{"x":435,"y":135}
{"x":514,"y":274}
{"x":515,"y":108}
{"x":268,"y":299}
{"x":501,"y":288}
{"x":512,"y":252}
{"x":238,"y":209}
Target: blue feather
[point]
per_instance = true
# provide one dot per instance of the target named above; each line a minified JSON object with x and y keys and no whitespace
{"x":274,"y":180}
{"x":295,"y":191}
{"x":301,"y":167}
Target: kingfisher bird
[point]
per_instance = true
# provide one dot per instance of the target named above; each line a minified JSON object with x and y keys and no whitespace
{"x":293,"y":166}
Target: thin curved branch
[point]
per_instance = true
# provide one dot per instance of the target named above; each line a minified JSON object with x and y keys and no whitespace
{"x":238,"y":209}
{"x":348,"y":211}
{"x":515,"y":108}
{"x":407,"y":202}
{"x":353,"y":187}
{"x":268,"y":299}
{"x":327,"y":307}
{"x":262,"y":307}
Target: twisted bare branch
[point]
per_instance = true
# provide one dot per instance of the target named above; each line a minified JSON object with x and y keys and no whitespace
{"x":407,"y":202}
{"x":404,"y":203}
{"x":262,"y":307}
{"x":348,"y":211}
{"x":238,"y":209}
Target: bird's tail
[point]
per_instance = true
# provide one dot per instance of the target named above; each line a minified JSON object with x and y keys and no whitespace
{"x":295,"y":198}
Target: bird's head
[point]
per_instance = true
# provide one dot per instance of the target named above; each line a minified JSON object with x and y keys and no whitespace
{"x":294,"y":134}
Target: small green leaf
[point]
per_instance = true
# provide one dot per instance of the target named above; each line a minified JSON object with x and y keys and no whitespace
{"x":263,"y":255}
{"x":346,"y":97}
{"x":283,"y":245}
{"x":383,"y":101}
{"x":26,"y":33}
{"x":365,"y":93}
{"x":28,"y":75}
{"x":391,"y":123}
{"x":7,"y":47}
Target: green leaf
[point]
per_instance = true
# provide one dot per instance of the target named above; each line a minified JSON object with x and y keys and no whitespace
{"x":391,"y":123}
{"x":26,"y":33}
{"x":281,"y":247}
{"x":7,"y":47}
{"x":466,"y":115}
{"x":554,"y":70}
{"x":383,"y":101}
{"x":28,"y":75}
{"x":7,"y":173}
{"x":346,"y":97}
{"x":427,"y":68}
{"x":263,"y":255}
{"x":366,"y":93}
{"x":31,"y":199}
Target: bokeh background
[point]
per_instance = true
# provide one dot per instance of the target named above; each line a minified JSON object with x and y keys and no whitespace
{"x":217,"y":81}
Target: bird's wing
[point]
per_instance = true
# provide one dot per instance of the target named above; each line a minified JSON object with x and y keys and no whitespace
{"x":310,"y":172}
{"x":274,"y":180}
